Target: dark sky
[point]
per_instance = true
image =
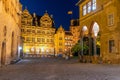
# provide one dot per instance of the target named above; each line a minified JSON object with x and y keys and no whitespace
{"x":57,"y":8}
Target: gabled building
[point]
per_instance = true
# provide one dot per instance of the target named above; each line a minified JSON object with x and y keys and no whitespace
{"x":10,"y":24}
{"x":74,"y":29}
{"x":37,"y":33}
{"x":63,"y":42}
{"x":40,"y":37}
{"x":100,"y":27}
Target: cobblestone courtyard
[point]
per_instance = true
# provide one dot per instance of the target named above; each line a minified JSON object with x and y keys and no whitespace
{"x":58,"y":69}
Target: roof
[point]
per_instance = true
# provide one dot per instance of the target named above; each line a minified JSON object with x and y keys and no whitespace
{"x":79,"y":2}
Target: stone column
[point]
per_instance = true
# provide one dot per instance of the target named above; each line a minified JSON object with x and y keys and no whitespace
{"x":95,"y":52}
{"x":95,"y":49}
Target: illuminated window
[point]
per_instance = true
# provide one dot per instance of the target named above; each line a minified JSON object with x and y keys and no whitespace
{"x":110,"y":19}
{"x":89,"y":7}
{"x":84,"y":10}
{"x":65,"y":44}
{"x":93,"y":4}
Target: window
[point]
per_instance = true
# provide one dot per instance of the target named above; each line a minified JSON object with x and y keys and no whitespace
{"x":43,"y":32}
{"x":38,"y":31}
{"x":89,"y":7}
{"x":111,"y":46}
{"x":60,"y":50}
{"x":60,"y":38}
{"x":47,"y":40}
{"x":33,"y":31}
{"x":93,"y":4}
{"x":84,"y":10}
{"x":65,"y":44}
{"x":43,"y":40}
{"x":27,"y":39}
{"x":52,"y":40}
{"x":28,"y":30}
{"x":38,"y":39}
{"x":60,"y":44}
{"x":33,"y":39}
{"x":110,"y":19}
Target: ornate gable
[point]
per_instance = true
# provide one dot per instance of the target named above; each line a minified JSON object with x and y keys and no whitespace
{"x":46,"y":20}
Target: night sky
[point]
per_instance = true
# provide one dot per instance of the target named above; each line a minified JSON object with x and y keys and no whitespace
{"x":57,"y":8}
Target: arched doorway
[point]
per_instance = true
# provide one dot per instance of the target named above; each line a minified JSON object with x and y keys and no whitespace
{"x":95,"y":39}
{"x":3,"y":52}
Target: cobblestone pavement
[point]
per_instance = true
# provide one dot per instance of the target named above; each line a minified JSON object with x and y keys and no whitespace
{"x":58,"y":69}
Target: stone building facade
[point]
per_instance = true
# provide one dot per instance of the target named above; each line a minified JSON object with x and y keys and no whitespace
{"x":100,"y":27}
{"x":10,"y":11}
{"x":40,"y":37}
{"x":74,"y":29}
{"x":37,"y":33}
{"x":63,"y":41}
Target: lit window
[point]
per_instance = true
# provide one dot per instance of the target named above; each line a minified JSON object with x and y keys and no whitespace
{"x":65,"y":44}
{"x":110,"y":19}
{"x":93,"y":4}
{"x":89,"y":7}
{"x":84,"y":10}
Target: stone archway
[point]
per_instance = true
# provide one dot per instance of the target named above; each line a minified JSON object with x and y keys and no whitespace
{"x":3,"y":53}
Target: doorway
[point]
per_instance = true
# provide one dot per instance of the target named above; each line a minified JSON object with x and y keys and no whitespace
{"x":3,"y":52}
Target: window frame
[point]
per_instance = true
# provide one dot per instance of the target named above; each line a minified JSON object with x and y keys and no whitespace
{"x":84,"y":8}
{"x":89,"y":7}
{"x":110,"y":19}
{"x":111,"y":46}
{"x":94,"y":5}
